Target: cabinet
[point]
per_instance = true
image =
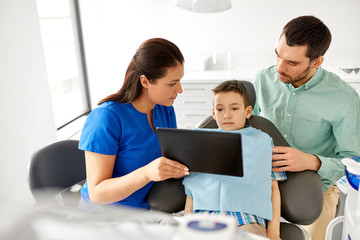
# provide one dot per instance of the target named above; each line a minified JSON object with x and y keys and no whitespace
{"x":194,"y":104}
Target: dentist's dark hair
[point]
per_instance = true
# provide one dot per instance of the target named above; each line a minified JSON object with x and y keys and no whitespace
{"x":308,"y":31}
{"x":153,"y":58}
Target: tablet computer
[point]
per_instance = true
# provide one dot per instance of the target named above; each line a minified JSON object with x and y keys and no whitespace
{"x":203,"y":151}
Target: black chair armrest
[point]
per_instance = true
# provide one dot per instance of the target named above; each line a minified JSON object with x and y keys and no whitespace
{"x":289,"y":231}
{"x":301,"y":197}
{"x":167,"y":196}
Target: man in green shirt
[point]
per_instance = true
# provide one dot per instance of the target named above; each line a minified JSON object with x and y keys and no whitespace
{"x":316,"y":111}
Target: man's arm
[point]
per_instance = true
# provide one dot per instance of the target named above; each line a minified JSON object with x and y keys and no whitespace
{"x":346,"y":130}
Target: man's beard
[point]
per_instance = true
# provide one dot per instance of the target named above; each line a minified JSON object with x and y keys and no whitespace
{"x":298,"y":78}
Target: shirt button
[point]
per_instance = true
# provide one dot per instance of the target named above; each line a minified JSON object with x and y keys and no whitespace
{"x":306,"y":87}
{"x":289,"y":115}
{"x":293,"y":94}
{"x":285,"y":136}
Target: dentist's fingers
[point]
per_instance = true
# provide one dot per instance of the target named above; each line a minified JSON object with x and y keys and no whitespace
{"x":163,"y":168}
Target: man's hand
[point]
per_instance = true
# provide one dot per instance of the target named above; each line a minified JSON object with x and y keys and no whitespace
{"x":293,"y":160}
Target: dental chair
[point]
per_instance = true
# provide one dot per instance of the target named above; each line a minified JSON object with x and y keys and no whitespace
{"x":56,"y":173}
{"x":301,"y":193}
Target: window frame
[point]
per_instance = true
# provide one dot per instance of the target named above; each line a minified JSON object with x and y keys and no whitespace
{"x":78,"y":44}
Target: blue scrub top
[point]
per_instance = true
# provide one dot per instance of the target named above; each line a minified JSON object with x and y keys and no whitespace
{"x":115,"y":128}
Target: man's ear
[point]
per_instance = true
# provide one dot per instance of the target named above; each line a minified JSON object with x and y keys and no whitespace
{"x":248,"y":111}
{"x":317,"y":62}
{"x":144,"y":81}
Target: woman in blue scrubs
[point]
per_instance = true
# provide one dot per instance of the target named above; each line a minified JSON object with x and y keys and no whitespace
{"x":122,"y":151}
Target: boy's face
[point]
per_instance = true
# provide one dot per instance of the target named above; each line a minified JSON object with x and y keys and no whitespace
{"x":229,"y":111}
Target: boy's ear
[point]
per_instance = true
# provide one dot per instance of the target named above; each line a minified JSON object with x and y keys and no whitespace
{"x":144,"y":81}
{"x":213,"y":114}
{"x":248,"y":111}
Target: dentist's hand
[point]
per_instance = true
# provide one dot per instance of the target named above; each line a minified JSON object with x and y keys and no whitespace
{"x":293,"y":160}
{"x":163,"y":168}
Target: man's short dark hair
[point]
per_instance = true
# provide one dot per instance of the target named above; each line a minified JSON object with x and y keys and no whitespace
{"x":308,"y":31}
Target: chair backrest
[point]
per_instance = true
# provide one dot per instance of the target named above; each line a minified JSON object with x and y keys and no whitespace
{"x":56,"y":167}
{"x":301,"y":193}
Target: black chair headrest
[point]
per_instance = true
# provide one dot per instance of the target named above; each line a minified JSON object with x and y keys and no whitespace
{"x":251,"y":92}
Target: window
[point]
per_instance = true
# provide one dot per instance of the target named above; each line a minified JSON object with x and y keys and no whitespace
{"x":64,"y":57}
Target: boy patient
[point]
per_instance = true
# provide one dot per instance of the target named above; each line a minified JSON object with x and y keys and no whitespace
{"x":254,"y":199}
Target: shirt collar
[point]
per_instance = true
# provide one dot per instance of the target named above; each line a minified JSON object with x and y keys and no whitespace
{"x":313,"y":81}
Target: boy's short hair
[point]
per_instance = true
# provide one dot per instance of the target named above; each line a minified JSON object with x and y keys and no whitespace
{"x":233,"y":86}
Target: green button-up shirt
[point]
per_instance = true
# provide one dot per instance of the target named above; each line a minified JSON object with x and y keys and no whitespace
{"x":321,"y":117}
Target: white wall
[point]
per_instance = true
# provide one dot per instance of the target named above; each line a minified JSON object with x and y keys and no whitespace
{"x":26,"y":120}
{"x":249,"y":30}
